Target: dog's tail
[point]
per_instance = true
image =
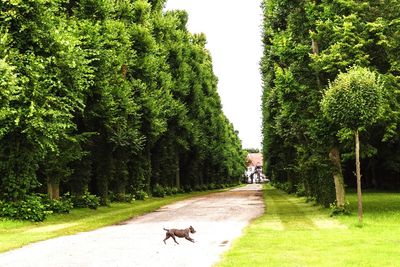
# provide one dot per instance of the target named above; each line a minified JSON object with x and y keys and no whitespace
{"x":166,"y":229}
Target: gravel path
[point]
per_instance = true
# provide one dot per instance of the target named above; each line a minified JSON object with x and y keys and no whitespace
{"x":218,"y":219}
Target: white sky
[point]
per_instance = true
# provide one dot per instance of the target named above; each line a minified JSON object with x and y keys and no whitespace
{"x":233,"y":30}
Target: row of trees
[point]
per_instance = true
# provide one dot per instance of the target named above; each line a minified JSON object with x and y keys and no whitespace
{"x":306,"y":45}
{"x":108,"y":96}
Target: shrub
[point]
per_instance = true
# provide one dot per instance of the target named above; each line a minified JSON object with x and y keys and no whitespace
{"x":187,"y":189}
{"x":282,"y":186}
{"x":128,"y":198}
{"x":219,"y":186}
{"x":141,"y":195}
{"x":113,"y":197}
{"x":63,"y":205}
{"x":171,"y":190}
{"x":159,"y":191}
{"x":174,"y":190}
{"x":311,"y":199}
{"x":197,"y":188}
{"x":211,"y":186}
{"x":168,"y":190}
{"x":120,"y":197}
{"x":335,"y":210}
{"x":181,"y":190}
{"x":86,"y":201}
{"x":300,"y":190}
{"x":30,"y":209}
{"x":201,"y":187}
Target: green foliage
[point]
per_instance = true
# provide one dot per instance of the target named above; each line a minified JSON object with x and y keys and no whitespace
{"x":294,"y":153}
{"x":141,"y":195}
{"x":335,"y":210}
{"x":301,"y":190}
{"x":119,"y":197}
{"x":354,"y":99}
{"x":158,"y":191}
{"x":187,"y":189}
{"x":306,"y":45}
{"x":211,"y":186}
{"x":63,"y":205}
{"x":86,"y":200}
{"x":203,"y":187}
{"x":252,"y":150}
{"x":171,"y":190}
{"x":31,"y":209}
{"x":102,"y":96}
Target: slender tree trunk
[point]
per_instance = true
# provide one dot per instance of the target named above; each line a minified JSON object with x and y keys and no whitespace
{"x":177,"y":175}
{"x":334,"y":156}
{"x":358,"y":173}
{"x":53,"y":190}
{"x":315,"y":50}
{"x":147,"y":168}
{"x":49,"y":190}
{"x":119,"y":160}
{"x":289,"y":180}
{"x":104,"y":170}
{"x":124,"y":70}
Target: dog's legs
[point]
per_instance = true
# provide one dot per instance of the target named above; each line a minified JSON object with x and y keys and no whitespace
{"x":190,"y":239}
{"x":166,"y":237}
{"x":174,"y":239}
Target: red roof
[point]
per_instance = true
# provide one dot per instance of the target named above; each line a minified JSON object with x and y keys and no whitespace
{"x":254,"y":159}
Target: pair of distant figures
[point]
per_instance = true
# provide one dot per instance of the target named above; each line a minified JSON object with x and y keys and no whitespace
{"x":260,"y":178}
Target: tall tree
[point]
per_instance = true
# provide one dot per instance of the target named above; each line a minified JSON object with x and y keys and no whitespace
{"x":306,"y":44}
{"x":354,"y":101}
{"x":52,"y":77}
{"x":108,"y":96}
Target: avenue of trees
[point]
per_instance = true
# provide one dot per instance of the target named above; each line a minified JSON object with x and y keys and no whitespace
{"x":310,"y":135}
{"x":111,"y":98}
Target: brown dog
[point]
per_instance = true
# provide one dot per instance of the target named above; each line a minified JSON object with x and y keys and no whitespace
{"x":179,"y":233}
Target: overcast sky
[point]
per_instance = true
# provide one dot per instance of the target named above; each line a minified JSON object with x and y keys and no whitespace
{"x":233,"y":30}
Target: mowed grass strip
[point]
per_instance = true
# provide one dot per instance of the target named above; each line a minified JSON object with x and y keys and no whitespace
{"x":295,"y":233}
{"x":15,"y":234}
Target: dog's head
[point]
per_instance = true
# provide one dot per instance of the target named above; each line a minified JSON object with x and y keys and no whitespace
{"x":191,"y":229}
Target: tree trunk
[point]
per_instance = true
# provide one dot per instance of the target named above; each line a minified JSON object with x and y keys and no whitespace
{"x":119,"y":160}
{"x":334,"y":156}
{"x":104,"y":170}
{"x":147,"y":168}
{"x":289,"y":180}
{"x":358,"y":173}
{"x":124,"y":70}
{"x":53,"y":190}
{"x":315,"y":51}
{"x":177,"y":174}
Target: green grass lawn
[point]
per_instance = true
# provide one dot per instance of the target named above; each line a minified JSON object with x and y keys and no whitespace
{"x":15,"y":234}
{"x":295,"y":233}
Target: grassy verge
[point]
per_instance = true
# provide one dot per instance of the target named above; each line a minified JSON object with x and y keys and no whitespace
{"x":294,"y":233}
{"x":15,"y":234}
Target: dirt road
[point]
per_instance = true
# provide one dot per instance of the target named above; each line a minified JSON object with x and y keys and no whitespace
{"x":218,"y":219}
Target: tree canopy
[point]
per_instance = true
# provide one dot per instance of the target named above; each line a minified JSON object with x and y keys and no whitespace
{"x":307,"y":44}
{"x":354,"y":101}
{"x":110,"y":97}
